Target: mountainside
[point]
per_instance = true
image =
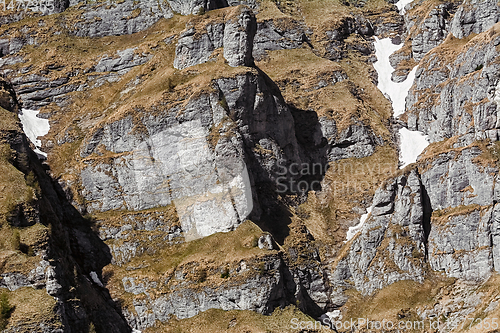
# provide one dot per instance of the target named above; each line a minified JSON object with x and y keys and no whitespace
{"x":250,"y":166}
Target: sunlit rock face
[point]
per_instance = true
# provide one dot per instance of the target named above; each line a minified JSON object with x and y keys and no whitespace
{"x":235,"y":34}
{"x":195,"y":156}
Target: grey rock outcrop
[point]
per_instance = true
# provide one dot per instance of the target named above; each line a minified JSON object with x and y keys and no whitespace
{"x":262,"y":290}
{"x":355,"y":141}
{"x":461,"y":246}
{"x":63,"y":256}
{"x":36,"y":90}
{"x":193,"y":50}
{"x":428,"y":30}
{"x":235,"y":35}
{"x":280,"y":34}
{"x":432,"y":30}
{"x":124,"y":59}
{"x":198,"y":157}
{"x":422,"y":218}
{"x":335,"y":47}
{"x":139,"y":233}
{"x":266,"y":242}
{"x":385,"y":250}
{"x":467,"y":182}
{"x":462,"y":243}
{"x":307,"y":280}
{"x":475,"y":16}
{"x":239,"y":34}
{"x":119,"y":18}
{"x":31,"y":10}
{"x":186,"y":7}
{"x":467,"y":105}
{"x":12,"y":45}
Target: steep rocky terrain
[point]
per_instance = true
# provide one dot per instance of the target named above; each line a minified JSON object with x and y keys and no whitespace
{"x":218,"y":165}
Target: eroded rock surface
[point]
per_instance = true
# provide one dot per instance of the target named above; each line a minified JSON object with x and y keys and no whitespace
{"x":235,"y":35}
{"x":466,"y":105}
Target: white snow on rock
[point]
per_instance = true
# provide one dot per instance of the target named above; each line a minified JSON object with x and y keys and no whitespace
{"x":401,"y":4}
{"x":413,"y":144}
{"x":34,"y":127}
{"x":354,"y":230}
{"x":395,"y":92}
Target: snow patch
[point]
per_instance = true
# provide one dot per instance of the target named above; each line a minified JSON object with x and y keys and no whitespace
{"x":34,"y":127}
{"x":412,"y":144}
{"x":354,"y":230}
{"x":395,"y":92}
{"x":401,"y":4}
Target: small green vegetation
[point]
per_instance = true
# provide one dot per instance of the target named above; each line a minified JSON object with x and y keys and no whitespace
{"x":416,"y":254}
{"x":225,"y":273}
{"x":262,"y":268}
{"x":479,"y":67}
{"x":16,"y":239}
{"x":5,"y":310}
{"x":223,"y":103}
{"x":255,"y":241}
{"x":202,"y":275}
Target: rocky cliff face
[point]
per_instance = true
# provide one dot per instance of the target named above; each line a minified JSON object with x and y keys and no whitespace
{"x":466,"y":106}
{"x":219,"y":151}
{"x":235,"y":35}
{"x":210,"y":174}
{"x":49,"y":261}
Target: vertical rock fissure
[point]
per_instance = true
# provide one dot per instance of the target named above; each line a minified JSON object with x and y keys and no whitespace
{"x":426,"y":219}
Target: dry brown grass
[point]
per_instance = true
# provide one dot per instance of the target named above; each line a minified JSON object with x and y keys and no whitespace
{"x":386,"y":303}
{"x":348,"y":183}
{"x":208,"y":254}
{"x":298,"y":73}
{"x":160,"y":83}
{"x":269,"y":11}
{"x":234,"y":321}
{"x":31,"y":306}
{"x":442,"y":216}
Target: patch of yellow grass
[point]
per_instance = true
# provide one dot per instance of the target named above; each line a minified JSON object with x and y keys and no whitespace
{"x":348,"y":183}
{"x":236,"y":321}
{"x":31,"y":306}
{"x":387,"y":302}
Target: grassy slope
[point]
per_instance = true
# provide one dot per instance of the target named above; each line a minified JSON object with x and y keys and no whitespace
{"x":15,"y":191}
{"x":327,"y":213}
{"x":281,"y":321}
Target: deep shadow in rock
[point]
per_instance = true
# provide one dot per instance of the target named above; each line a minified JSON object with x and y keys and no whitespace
{"x":275,"y":198}
{"x":301,"y":298}
{"x":314,"y":146}
{"x":275,"y":213}
{"x":426,"y":220}
{"x":76,"y":250}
